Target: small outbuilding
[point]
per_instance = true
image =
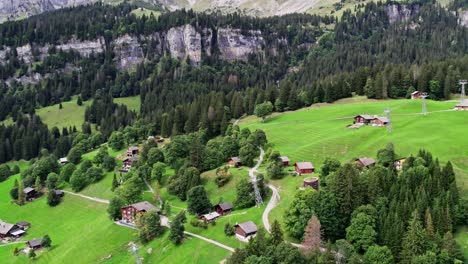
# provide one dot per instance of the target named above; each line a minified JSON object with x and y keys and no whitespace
{"x":363,"y":119}
{"x":463,"y":105}
{"x":246,"y":230}
{"x":312,"y":182}
{"x":29,"y":192}
{"x":304,"y":167}
{"x":35,"y":243}
{"x":223,"y":208}
{"x":23,"y":225}
{"x":379,"y":121}
{"x":59,"y":193}
{"x":63,"y":161}
{"x":285,"y":160}
{"x":365,"y":162}
{"x":132,"y":151}
{"x":130,"y":212}
{"x":234,"y":162}
{"x":415,"y":95}
{"x":210,"y":217}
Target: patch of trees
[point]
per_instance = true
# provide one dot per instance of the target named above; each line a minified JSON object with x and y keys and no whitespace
{"x":85,"y":175}
{"x":380,"y":212}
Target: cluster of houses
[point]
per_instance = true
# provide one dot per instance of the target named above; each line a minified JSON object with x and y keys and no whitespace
{"x":373,"y":120}
{"x":131,"y":159}
{"x":13,"y":231}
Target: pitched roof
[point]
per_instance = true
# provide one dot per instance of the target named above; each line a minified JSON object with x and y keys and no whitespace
{"x":58,"y":192}
{"x":366,"y":161}
{"x":415,"y":92}
{"x":304,"y":165}
{"x":35,"y":242}
{"x":368,"y":117}
{"x":248,"y":227}
{"x":5,"y":228}
{"x":384,"y":119}
{"x":23,"y":223}
{"x":133,"y":148}
{"x":225,"y":206}
{"x":284,"y":158}
{"x":63,"y":160}
{"x":145,"y":206}
{"x":211,"y":216}
{"x":28,"y":190}
{"x":18,"y":232}
{"x":235,"y":159}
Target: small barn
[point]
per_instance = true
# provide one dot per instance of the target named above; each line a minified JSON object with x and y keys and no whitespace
{"x":35,"y":243}
{"x":132,"y":151}
{"x":29,"y":192}
{"x":312,"y":182}
{"x":234,"y":162}
{"x":130,"y":212}
{"x":246,"y":230}
{"x":59,"y":193}
{"x":23,"y":225}
{"x":462,"y":105}
{"x":363,"y":119}
{"x":379,"y":121}
{"x":223,"y":208}
{"x":304,"y":167}
{"x":285,"y":160}
{"x":415,"y":95}
{"x":209,"y":217}
{"x":365,"y":162}
{"x":63,"y":161}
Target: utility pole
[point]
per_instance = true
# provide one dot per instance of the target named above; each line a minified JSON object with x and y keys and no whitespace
{"x":462,"y":96}
{"x":389,"y":124}
{"x":424,"y":107}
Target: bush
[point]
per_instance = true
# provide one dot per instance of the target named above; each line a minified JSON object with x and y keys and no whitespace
{"x":229,"y":230}
{"x":197,"y":223}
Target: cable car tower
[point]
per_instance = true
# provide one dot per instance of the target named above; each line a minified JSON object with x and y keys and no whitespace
{"x":424,"y":107}
{"x":389,"y":124}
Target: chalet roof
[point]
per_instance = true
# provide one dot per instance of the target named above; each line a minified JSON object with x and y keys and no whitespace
{"x":284,"y":159}
{"x":211,"y":216}
{"x":384,"y":119}
{"x":366,"y":161}
{"x":365,"y":116}
{"x":37,"y":242}
{"x":305,"y":165}
{"x":463,"y":103}
{"x":18,"y":232}
{"x":236,"y":159}
{"x":248,"y":227}
{"x":145,"y":206}
{"x":415,"y":92}
{"x":132,"y":148}
{"x":225,"y":206}
{"x":63,"y":160}
{"x":58,"y":192}
{"x":28,"y":190}
{"x":6,"y":227}
{"x":23,"y":223}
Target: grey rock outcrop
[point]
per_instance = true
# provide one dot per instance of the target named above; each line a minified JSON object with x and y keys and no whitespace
{"x":128,"y":52}
{"x":235,"y":46}
{"x":463,"y":18}
{"x":85,"y":48}
{"x":401,"y":13}
{"x":184,"y":42}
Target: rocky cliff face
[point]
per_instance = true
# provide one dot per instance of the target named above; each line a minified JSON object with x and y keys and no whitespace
{"x":463,"y":18}
{"x":185,"y":42}
{"x":236,"y":46}
{"x":128,"y":52}
{"x":401,"y":13}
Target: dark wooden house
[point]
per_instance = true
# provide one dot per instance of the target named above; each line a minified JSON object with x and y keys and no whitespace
{"x":30,"y":193}
{"x":223,"y":208}
{"x":379,"y":121}
{"x":365,"y":162}
{"x":35,"y":243}
{"x":23,"y":225}
{"x":304,"y":167}
{"x":363,"y":119}
{"x":133,"y":151}
{"x":130,"y":212}
{"x":284,"y":160}
{"x":246,"y":230}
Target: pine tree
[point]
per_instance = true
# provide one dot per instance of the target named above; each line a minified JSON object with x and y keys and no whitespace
{"x":414,"y":241}
{"x":312,"y":236}
{"x":21,"y":195}
{"x":429,"y":225}
{"x":177,"y":228}
{"x":37,"y":184}
{"x":276,"y":236}
{"x":115,"y":183}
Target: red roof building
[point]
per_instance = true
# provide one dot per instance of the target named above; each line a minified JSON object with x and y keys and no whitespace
{"x":304,"y":168}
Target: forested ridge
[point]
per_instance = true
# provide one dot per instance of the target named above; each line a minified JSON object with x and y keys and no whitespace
{"x":302,"y":63}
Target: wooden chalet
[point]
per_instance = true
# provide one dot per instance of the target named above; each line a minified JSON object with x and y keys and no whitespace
{"x":304,"y":167}
{"x":363,"y":119}
{"x":312,"y":182}
{"x":379,"y":121}
{"x":210,"y":217}
{"x":223,"y":208}
{"x":415,"y":95}
{"x":234,"y":162}
{"x":10,"y":230}
{"x":462,"y":105}
{"x":129,"y":162}
{"x":133,"y":151}
{"x":246,"y":230}
{"x":365,"y":162}
{"x":284,"y":160}
{"x":30,"y":193}
{"x":130,"y":212}
{"x":35,"y":243}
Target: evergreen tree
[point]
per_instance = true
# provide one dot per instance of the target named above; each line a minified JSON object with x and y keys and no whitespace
{"x":415,"y":239}
{"x":177,"y":228}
